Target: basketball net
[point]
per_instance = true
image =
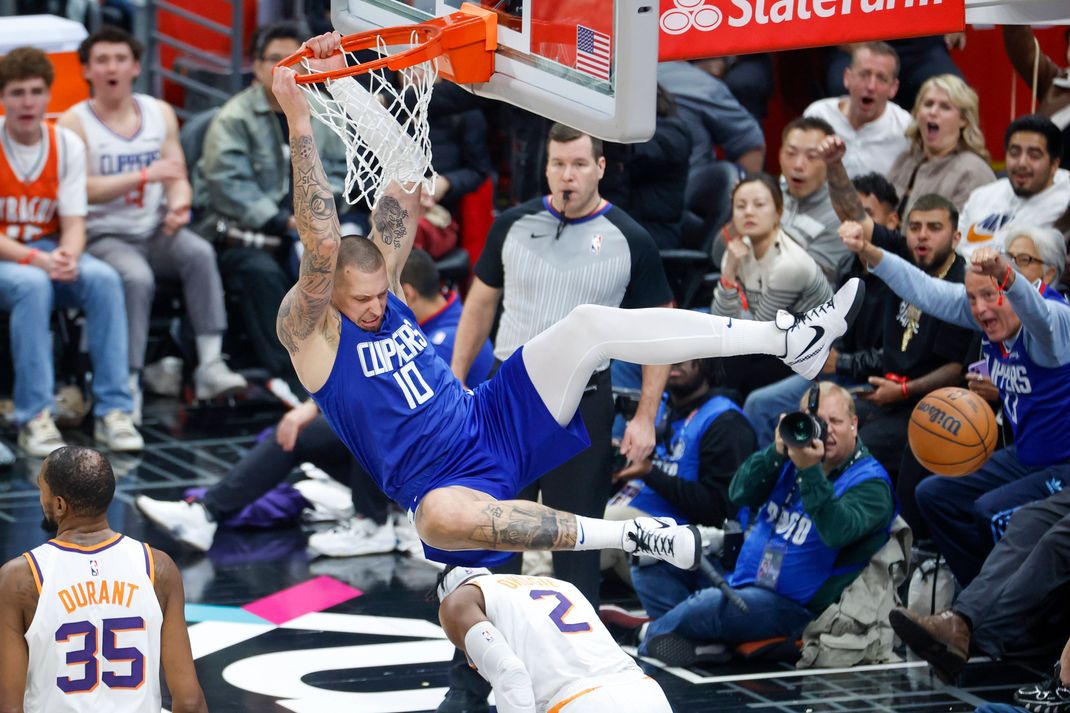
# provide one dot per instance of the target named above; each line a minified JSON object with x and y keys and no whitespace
{"x":381,"y":119}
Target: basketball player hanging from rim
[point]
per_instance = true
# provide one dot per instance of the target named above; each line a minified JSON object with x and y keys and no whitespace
{"x":451,"y":457}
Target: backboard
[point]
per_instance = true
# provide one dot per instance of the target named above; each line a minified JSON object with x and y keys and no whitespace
{"x":590,"y":64}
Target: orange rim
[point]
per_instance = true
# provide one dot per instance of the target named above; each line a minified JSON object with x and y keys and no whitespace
{"x":466,"y":39}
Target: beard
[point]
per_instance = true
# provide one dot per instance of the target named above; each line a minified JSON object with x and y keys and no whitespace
{"x":48,"y":525}
{"x":936,"y":260}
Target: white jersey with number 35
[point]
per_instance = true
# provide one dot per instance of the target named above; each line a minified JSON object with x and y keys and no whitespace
{"x":556,"y":632}
{"x":94,"y":642}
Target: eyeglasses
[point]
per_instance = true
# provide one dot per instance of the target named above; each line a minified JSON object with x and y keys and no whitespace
{"x":1023,"y":259}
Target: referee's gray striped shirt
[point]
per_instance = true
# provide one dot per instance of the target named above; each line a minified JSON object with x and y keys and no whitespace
{"x":605,"y":258}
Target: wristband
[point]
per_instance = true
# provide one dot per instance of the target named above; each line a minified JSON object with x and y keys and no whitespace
{"x":144,"y":179}
{"x":28,"y":257}
{"x":1003,"y":285}
{"x":901,"y":380}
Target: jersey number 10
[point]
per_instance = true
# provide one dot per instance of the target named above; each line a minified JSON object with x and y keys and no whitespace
{"x":413,"y":385}
{"x":87,"y":655}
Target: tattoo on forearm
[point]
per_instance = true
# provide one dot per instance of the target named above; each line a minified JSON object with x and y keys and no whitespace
{"x":389,"y":219}
{"x":317,"y":223}
{"x":511,"y":527}
{"x":843,"y":195}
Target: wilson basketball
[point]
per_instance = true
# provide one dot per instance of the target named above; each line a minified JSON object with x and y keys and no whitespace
{"x":952,"y":431}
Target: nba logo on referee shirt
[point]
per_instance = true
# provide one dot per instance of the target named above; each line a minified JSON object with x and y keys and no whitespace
{"x":596,"y":244}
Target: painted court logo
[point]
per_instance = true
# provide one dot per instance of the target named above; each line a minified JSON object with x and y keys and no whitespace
{"x":690,"y":14}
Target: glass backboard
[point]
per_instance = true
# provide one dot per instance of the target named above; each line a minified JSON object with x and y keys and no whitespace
{"x":590,"y":64}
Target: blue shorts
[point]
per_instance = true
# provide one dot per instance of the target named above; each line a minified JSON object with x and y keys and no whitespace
{"x":515,"y":441}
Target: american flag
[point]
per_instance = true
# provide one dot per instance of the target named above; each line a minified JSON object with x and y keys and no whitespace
{"x":592,"y":52}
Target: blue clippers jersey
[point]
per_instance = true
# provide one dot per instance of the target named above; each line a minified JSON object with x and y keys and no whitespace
{"x":393,"y":402}
{"x":1036,"y":399}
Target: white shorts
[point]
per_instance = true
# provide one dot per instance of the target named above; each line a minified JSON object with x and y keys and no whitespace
{"x":643,"y":695}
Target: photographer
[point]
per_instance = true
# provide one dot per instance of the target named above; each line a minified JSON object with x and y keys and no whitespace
{"x":820,"y":511}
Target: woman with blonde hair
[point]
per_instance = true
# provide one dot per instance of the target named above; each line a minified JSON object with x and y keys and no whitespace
{"x":947,"y":154}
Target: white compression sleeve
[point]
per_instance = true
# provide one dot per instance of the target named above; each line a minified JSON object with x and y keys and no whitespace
{"x":561,"y":359}
{"x":498,"y":663}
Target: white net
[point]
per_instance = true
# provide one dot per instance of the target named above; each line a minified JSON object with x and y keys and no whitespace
{"x":381,"y":117}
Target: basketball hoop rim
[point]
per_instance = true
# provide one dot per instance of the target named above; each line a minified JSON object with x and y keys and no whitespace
{"x":466,"y":39}
{"x":429,"y":47}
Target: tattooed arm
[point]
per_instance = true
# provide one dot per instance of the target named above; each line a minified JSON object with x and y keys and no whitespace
{"x":308,"y":326}
{"x":842,"y":192}
{"x":394,"y":222}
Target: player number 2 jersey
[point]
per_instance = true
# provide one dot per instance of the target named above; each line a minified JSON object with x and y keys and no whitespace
{"x":556,"y":632}
{"x":94,"y":643}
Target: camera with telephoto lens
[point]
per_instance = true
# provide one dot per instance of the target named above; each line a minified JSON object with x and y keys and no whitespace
{"x":799,"y":428}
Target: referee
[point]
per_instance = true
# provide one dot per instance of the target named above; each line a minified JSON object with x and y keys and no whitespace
{"x":542,"y":259}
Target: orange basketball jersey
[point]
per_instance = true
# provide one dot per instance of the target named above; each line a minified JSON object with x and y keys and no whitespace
{"x":28,"y":210}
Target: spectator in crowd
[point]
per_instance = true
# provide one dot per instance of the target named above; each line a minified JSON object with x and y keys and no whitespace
{"x":808,"y":215}
{"x":870,"y":124}
{"x":714,"y":117}
{"x":520,"y":643}
{"x":820,"y":513}
{"x":542,"y":259}
{"x":764,"y":270}
{"x":920,"y":58}
{"x":1035,"y":191}
{"x":139,"y":207}
{"x":1052,"y":82}
{"x":243,"y":179}
{"x":303,"y":435}
{"x":1027,"y":351}
{"x":947,"y":154}
{"x":703,"y":438}
{"x":1014,"y":608}
{"x":858,"y":353}
{"x":458,"y":133}
{"x":748,"y":76}
{"x":42,"y":264}
{"x":649,"y":180}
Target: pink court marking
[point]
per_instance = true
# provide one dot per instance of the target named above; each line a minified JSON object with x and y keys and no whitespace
{"x":315,"y":595}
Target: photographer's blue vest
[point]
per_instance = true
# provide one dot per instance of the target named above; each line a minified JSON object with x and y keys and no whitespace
{"x":681,"y":458}
{"x":808,"y":562}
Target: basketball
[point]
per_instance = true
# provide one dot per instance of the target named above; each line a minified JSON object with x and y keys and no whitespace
{"x":952,"y":431}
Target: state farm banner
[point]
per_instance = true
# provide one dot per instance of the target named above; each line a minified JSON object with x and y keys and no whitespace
{"x":692,"y":29}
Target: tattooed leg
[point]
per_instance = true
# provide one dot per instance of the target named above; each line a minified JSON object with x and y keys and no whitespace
{"x":517,"y":525}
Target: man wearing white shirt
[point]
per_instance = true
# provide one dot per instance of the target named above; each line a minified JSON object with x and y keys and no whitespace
{"x":871,"y":125}
{"x":1034,"y":193}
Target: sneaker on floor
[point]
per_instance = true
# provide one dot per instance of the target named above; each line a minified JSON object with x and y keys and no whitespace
{"x":39,"y":436}
{"x":163,"y":377}
{"x":623,"y":625}
{"x":662,"y":539}
{"x":1048,"y":696}
{"x":677,"y":650}
{"x":186,"y":522}
{"x":359,"y":536}
{"x":116,"y":431}
{"x":409,"y":541}
{"x":811,"y":334}
{"x":329,"y":497}
{"x":215,"y":380}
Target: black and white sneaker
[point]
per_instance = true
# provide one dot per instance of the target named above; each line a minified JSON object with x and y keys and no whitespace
{"x":662,"y":539}
{"x":810,"y":335}
{"x":677,"y":650}
{"x":1050,"y":696}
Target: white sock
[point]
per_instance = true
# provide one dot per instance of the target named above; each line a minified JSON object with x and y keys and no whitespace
{"x":487,"y":648}
{"x":595,"y":534}
{"x":209,"y":347}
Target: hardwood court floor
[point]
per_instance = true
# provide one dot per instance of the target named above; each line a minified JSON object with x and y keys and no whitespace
{"x":275,"y":631}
